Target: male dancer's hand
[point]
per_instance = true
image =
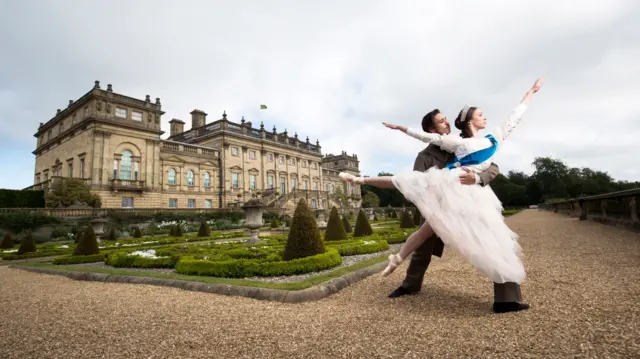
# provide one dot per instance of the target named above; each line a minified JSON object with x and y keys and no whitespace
{"x":468,"y":178}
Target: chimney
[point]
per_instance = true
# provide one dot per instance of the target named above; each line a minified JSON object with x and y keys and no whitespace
{"x":176,"y":127}
{"x":198,"y":118}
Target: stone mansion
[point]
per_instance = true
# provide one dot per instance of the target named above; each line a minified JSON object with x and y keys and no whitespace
{"x":113,"y":142}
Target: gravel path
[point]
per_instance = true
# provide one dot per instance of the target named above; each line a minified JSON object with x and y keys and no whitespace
{"x":584,"y":305}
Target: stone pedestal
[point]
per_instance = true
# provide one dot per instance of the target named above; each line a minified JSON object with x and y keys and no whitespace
{"x":320,"y":219}
{"x":98,"y":227}
{"x":253,"y":211}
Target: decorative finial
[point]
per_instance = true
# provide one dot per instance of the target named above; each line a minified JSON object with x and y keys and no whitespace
{"x":147,"y":98}
{"x":261,"y":125}
{"x":242,"y":120}
{"x":307,"y":139}
{"x":58,"y":111}
{"x":295,"y":134}
{"x":109,"y":88}
{"x":224,"y":115}
{"x":70,"y":103}
{"x":157,"y":100}
{"x":317,"y":143}
{"x":96,"y":84}
{"x":285,"y":132}
{"x":274,"y":129}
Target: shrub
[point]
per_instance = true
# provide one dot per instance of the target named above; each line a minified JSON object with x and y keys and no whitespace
{"x":353,"y":248}
{"x":70,"y":191}
{"x":70,"y":259}
{"x":7,"y":241}
{"x":406,"y":221}
{"x":177,"y":231}
{"x":275,"y":223}
{"x":346,"y":224}
{"x":111,"y":235}
{"x":335,"y":229}
{"x":416,"y":217}
{"x":15,"y":198}
{"x":363,"y":227}
{"x":27,"y":244}
{"x":204,"y":230}
{"x":17,"y":222}
{"x":136,"y":232}
{"x":304,"y":238}
{"x":88,"y":245}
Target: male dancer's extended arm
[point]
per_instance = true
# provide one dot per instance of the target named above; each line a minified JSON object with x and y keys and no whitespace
{"x":489,"y":174}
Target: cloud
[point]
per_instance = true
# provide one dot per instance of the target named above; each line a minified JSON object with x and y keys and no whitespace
{"x":334,"y":71}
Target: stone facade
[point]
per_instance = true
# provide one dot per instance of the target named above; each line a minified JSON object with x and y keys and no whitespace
{"x":113,"y":142}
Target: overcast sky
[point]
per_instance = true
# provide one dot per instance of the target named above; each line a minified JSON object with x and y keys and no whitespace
{"x":334,"y":70}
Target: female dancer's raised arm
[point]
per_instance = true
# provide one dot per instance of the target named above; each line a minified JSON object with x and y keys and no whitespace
{"x":446,"y":142}
{"x":507,"y":127}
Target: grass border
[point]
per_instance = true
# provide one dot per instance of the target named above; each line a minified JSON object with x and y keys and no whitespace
{"x":310,"y":289}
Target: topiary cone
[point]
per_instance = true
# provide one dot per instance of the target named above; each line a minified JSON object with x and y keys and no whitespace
{"x":27,"y":244}
{"x":335,"y":229}
{"x":416,"y":217}
{"x":363,"y":227}
{"x":88,"y":245}
{"x":136,"y":232}
{"x":406,"y":221}
{"x":204,"y":230}
{"x":346,"y":224}
{"x":304,"y":238}
{"x":178,"y":230}
{"x":7,"y":241}
{"x":112,"y":236}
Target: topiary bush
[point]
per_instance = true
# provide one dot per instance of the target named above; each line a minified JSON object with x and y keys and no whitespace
{"x":27,"y":244}
{"x":304,"y":238}
{"x":416,"y":217}
{"x":204,"y":230}
{"x":136,"y":232}
{"x":7,"y":241}
{"x":363,"y":227}
{"x":335,"y":229}
{"x":177,"y":231}
{"x":275,"y":223}
{"x":88,"y":245}
{"x":111,"y":235}
{"x":346,"y":224}
{"x":406,"y":221}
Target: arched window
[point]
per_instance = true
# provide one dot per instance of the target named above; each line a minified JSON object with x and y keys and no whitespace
{"x":190,"y":178}
{"x":172,"y":176}
{"x":126,"y":165}
{"x":207,"y":179}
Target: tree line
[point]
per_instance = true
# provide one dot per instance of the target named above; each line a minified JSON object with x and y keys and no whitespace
{"x":552,"y":179}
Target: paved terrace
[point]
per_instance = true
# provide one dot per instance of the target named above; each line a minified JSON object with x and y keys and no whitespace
{"x":583,"y":284}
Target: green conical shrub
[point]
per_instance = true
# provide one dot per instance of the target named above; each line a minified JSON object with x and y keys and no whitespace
{"x":172,"y":231}
{"x":88,"y":245}
{"x":136,"y":232}
{"x":7,"y":241}
{"x":304,"y":238}
{"x":346,"y":224}
{"x":204,"y":230}
{"x":335,"y":229}
{"x":416,"y":217}
{"x":27,"y":244}
{"x":363,"y":227}
{"x":406,"y":221}
{"x":112,"y":235}
{"x":375,"y":216}
{"x":275,"y":223}
{"x":178,"y":230}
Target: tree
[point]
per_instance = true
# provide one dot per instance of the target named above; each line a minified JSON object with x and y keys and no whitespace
{"x":204,"y":230}
{"x":112,"y":235}
{"x":304,"y":238}
{"x":346,"y":224}
{"x":88,"y":244}
{"x":386,"y":196}
{"x":275,"y":223}
{"x":340,"y":196}
{"x":136,"y":232}
{"x":7,"y":241}
{"x":335,"y":229}
{"x":406,"y":221}
{"x":27,"y":243}
{"x":370,"y":199}
{"x":70,"y":191}
{"x":363,"y":227}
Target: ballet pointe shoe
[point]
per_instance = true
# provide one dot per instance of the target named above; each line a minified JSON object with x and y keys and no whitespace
{"x":394,"y":261}
{"x":346,"y":177}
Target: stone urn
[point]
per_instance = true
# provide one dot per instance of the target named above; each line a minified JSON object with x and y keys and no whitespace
{"x":320,"y":219}
{"x":253,"y":210}
{"x":98,"y":227}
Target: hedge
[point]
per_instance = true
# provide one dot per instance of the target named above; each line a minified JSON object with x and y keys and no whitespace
{"x":13,"y":198}
{"x":71,"y":259}
{"x":242,"y":268}
{"x":353,"y":248}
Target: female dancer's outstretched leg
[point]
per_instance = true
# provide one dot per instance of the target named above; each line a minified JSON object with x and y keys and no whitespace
{"x":415,"y":239}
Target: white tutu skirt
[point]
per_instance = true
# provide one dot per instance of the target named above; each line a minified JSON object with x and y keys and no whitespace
{"x":467,"y":218}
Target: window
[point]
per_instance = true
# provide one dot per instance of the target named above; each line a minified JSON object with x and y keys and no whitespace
{"x":82,"y":168}
{"x":234,"y":179}
{"x":293,"y":184}
{"x":270,"y":157}
{"x":313,"y":203}
{"x":326,"y":187}
{"x":127,"y":202}
{"x":173,"y":203}
{"x":292,"y":161}
{"x":333,"y":188}
{"x":305,"y":163}
{"x":126,"y":165}
{"x":136,"y":116}
{"x":190,"y":180}
{"x":86,"y":112}
{"x":304,"y":184}
{"x":70,"y":170}
{"x":252,"y":155}
{"x":283,"y":185}
{"x":252,"y":181}
{"x":207,"y":203}
{"x":61,"y":127}
{"x":121,"y":112}
{"x":46,"y":177}
{"x":37,"y":179}
{"x":314,"y":166}
{"x":49,"y":135}
{"x":281,"y":160}
{"x":315,"y":186}
{"x":192,"y":203}
{"x":172,"y":176}
{"x":207,"y":179}
{"x":135,"y":170}
{"x":234,"y":151}
{"x":270,"y":181}
{"x":115,"y":169}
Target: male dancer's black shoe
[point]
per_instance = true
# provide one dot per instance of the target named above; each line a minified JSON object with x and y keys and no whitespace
{"x":506,"y":307}
{"x":400,"y":292}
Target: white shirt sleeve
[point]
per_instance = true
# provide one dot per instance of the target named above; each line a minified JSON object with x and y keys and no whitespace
{"x":507,"y":127}
{"x":445,"y":142}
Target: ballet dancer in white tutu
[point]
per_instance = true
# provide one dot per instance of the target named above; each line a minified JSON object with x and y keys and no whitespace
{"x":468,"y":218}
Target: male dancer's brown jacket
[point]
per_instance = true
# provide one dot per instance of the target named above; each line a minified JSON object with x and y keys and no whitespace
{"x":421,"y":258}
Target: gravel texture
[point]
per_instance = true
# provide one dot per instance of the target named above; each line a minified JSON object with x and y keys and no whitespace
{"x":583,"y":284}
